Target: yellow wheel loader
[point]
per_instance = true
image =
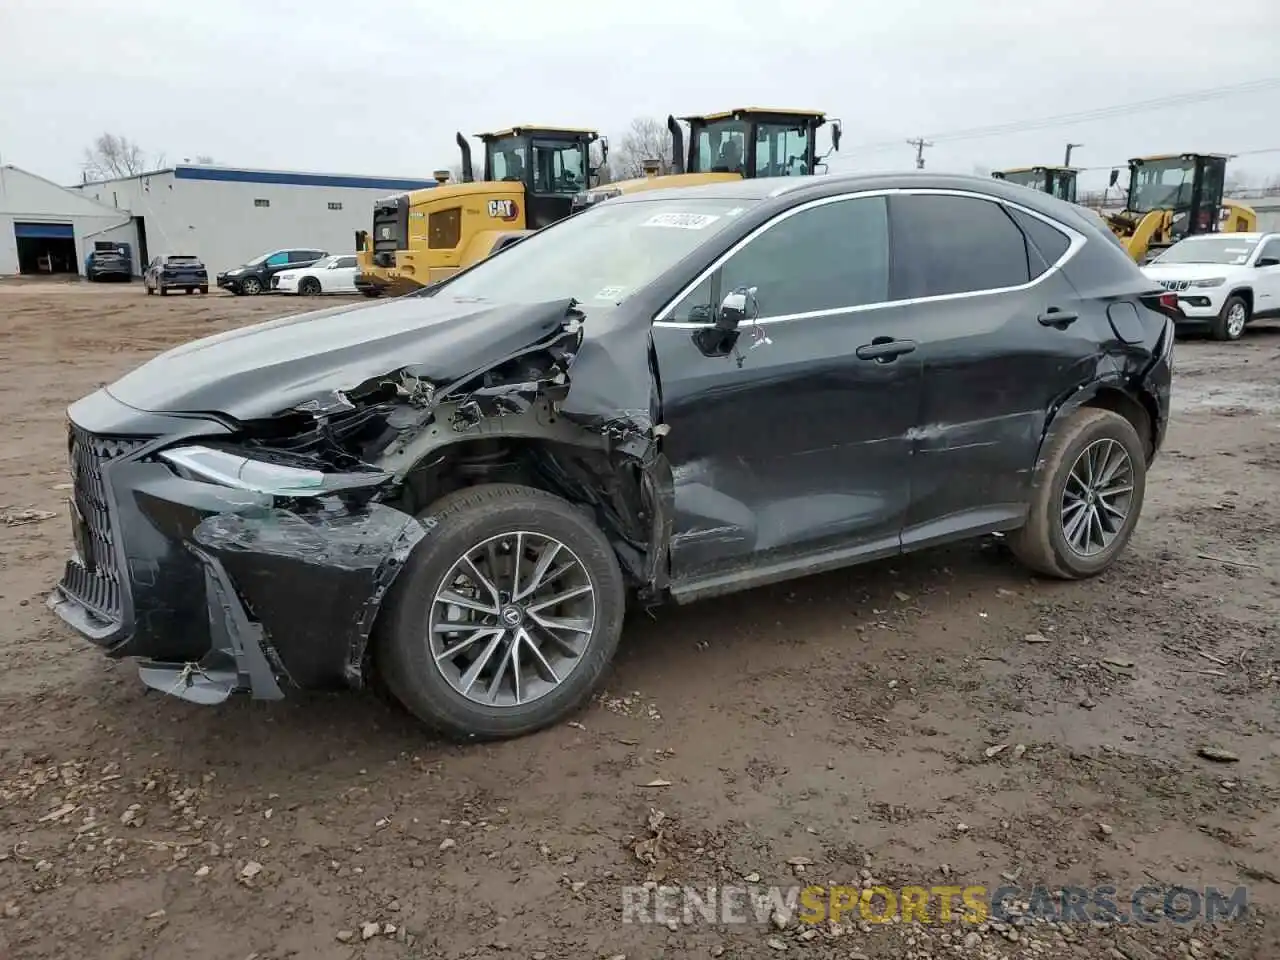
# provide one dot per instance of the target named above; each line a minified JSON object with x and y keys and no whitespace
{"x":530,"y":178}
{"x":1176,"y":195}
{"x":730,"y":145}
{"x":1058,"y":182}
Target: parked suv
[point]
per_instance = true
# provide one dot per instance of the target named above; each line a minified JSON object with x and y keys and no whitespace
{"x":254,"y":277}
{"x":179,"y":272}
{"x":1223,"y":280}
{"x":671,"y":395}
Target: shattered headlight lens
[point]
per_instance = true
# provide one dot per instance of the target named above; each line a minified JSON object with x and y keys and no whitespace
{"x":209,"y":465}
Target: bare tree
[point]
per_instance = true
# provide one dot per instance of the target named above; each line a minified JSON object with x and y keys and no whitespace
{"x":113,"y":156}
{"x":646,"y":139}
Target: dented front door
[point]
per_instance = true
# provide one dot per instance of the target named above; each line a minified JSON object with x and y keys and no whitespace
{"x":790,"y":435}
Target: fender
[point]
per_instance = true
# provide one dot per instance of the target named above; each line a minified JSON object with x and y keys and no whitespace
{"x":1113,"y":382}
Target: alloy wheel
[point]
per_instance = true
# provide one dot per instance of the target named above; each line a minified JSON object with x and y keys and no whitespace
{"x":1236,"y":317}
{"x":512,"y":619}
{"x":1097,"y":497}
{"x":251,"y":286}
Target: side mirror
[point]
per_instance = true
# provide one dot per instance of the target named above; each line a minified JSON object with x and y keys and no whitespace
{"x":1268,"y":262}
{"x":1115,"y":178}
{"x":736,"y":308}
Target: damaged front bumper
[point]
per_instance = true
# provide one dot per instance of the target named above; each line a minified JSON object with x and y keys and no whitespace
{"x":217,"y":590}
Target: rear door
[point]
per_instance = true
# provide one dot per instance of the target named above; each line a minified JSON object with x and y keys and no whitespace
{"x":1003,"y":336}
{"x":789,"y":437}
{"x":342,"y":276}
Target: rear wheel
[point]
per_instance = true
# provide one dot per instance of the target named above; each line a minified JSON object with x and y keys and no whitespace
{"x":1088,"y":500}
{"x":309,"y":287}
{"x":505,"y":615}
{"x":1230,"y":323}
{"x":250,"y":286}
{"x":204,"y":288}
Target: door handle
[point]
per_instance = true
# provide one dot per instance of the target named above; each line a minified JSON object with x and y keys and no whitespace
{"x":884,"y":349}
{"x":1053,"y":317}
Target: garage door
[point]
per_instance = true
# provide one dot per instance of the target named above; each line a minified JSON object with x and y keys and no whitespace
{"x":43,"y":231}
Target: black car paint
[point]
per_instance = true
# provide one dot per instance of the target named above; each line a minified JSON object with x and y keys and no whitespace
{"x":296,"y":258}
{"x":708,"y":471}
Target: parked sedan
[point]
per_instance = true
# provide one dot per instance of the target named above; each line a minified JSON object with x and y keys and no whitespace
{"x":1223,"y":280}
{"x":329,"y":275}
{"x":255,"y":276}
{"x":669,"y":396}
{"x":179,"y":272}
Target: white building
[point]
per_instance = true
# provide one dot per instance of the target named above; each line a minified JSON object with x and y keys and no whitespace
{"x":48,"y":229}
{"x":228,"y":215}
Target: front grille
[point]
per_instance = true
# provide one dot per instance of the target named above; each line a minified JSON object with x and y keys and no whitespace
{"x":94,"y":579}
{"x":1175,"y":284}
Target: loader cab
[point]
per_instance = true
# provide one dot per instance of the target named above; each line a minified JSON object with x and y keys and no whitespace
{"x":1190,"y":185}
{"x":1058,"y":182}
{"x":552,"y":163}
{"x":757,"y":142}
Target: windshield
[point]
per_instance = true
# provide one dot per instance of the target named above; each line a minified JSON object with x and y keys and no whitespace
{"x":601,"y":256}
{"x":721,"y":146}
{"x":324,"y":262}
{"x":1064,"y":187}
{"x":1232,"y":251}
{"x":257,"y":260}
{"x":1161,"y":185}
{"x":782,"y":149}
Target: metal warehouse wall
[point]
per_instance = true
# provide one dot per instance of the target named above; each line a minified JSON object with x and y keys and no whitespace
{"x":25,"y":197}
{"x":217,"y":213}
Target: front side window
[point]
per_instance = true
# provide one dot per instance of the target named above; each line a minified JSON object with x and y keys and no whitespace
{"x":947,"y":244}
{"x":828,"y":257}
{"x":559,"y":167}
{"x":722,"y":146}
{"x":508,"y":158}
{"x":601,"y":256}
{"x":1162,"y":185}
{"x":1270,"y":251}
{"x":346,"y":262}
{"x":782,"y":149}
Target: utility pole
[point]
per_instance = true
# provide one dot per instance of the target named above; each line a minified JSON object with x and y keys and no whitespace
{"x":920,"y":143}
{"x":1070,"y":146}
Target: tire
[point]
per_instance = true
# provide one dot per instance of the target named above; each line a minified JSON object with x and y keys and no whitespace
{"x":189,"y":290}
{"x":251,"y":286}
{"x":147,"y":287}
{"x":310,"y":287}
{"x":460,"y":523}
{"x":1042,"y":542}
{"x":162,"y":290}
{"x":1230,"y":322}
{"x":204,"y":289}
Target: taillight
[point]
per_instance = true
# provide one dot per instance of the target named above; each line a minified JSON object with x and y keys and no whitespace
{"x":1165,"y":303}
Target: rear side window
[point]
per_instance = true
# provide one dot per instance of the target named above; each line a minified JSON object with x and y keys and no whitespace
{"x":303,"y":256}
{"x":946,"y":245}
{"x":1049,"y":242}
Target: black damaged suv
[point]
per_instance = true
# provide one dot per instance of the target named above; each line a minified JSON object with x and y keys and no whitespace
{"x":671,"y":395}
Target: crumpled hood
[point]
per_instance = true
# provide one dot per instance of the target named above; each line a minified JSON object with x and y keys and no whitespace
{"x":269,"y":368}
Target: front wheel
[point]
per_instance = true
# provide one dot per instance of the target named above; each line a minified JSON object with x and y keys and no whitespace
{"x":250,"y":286}
{"x":1230,"y":323}
{"x":1086,"y":504}
{"x":505,"y":615}
{"x":310,"y":287}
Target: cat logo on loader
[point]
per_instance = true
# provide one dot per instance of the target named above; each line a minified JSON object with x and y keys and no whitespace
{"x":504,"y":210}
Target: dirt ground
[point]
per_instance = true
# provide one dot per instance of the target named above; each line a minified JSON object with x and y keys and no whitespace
{"x":852,"y":719}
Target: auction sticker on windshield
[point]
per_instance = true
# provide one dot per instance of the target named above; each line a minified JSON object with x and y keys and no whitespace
{"x":681,"y":221}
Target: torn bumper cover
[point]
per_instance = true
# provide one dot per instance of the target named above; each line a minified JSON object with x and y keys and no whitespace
{"x":217,"y":590}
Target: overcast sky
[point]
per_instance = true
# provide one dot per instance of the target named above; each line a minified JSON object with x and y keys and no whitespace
{"x":381,"y":86}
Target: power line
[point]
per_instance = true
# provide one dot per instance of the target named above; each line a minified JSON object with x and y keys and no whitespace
{"x":1081,"y":116}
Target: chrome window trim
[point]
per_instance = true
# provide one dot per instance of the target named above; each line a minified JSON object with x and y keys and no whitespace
{"x":1077,"y":241}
